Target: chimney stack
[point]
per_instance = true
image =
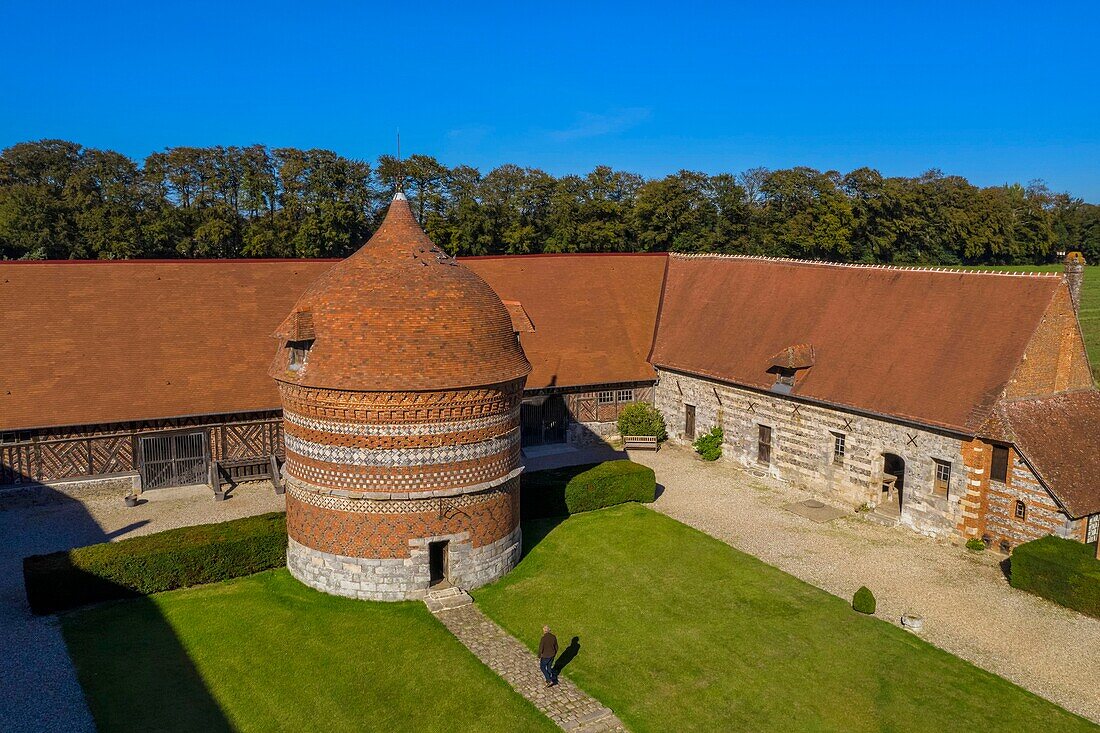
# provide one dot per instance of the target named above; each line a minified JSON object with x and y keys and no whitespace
{"x":1075,"y":277}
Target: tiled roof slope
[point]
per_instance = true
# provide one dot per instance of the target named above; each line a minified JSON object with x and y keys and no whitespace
{"x":1058,"y":436}
{"x":932,"y":346}
{"x":99,"y":342}
{"x":593,"y":315}
{"x":400,"y":314}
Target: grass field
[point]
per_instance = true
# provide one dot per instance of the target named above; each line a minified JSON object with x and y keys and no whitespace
{"x":265,"y":653}
{"x":680,"y":632}
{"x":1090,"y":306}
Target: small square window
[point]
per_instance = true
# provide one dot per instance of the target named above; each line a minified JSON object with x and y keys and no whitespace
{"x":626,"y":395}
{"x":605,"y":398}
{"x":1021,"y":511}
{"x":838,"y":447}
{"x":942,"y":483}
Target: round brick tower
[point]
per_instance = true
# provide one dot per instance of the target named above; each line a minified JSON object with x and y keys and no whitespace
{"x":401,"y":379}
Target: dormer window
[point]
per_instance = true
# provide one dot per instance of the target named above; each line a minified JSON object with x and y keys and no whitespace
{"x":299,"y":352}
{"x":787,"y":363}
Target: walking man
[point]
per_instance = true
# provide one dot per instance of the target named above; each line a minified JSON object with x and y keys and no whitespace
{"x":548,"y":649}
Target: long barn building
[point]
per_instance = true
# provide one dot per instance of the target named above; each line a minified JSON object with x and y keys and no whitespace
{"x":957,"y":403}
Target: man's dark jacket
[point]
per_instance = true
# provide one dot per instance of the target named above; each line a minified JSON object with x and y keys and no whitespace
{"x":548,"y":646}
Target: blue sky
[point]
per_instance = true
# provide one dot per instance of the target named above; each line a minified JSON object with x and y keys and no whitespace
{"x":993,"y":91}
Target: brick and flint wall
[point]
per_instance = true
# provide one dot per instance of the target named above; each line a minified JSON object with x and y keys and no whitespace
{"x":373,"y":477}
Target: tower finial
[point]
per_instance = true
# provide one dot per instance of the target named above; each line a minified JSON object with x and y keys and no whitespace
{"x":399,"y":184}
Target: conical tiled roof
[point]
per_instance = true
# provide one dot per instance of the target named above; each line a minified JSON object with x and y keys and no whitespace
{"x":400,"y":314}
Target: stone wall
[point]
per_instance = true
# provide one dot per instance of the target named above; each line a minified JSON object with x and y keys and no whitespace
{"x":397,"y":579}
{"x":803,"y":438}
{"x":1042,"y":516}
{"x":106,"y":488}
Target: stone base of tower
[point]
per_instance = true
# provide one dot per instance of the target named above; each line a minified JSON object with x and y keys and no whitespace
{"x":400,"y":579}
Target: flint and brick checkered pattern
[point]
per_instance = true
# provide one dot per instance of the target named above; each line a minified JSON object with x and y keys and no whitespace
{"x":486,"y":517}
{"x":402,"y":426}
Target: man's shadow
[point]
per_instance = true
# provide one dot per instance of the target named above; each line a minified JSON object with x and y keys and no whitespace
{"x":568,"y":655}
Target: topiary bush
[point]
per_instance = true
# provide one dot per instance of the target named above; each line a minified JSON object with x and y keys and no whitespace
{"x":642,"y":418}
{"x":1064,"y":571}
{"x":176,"y":558}
{"x":558,"y":492}
{"x":864,"y":600}
{"x":709,"y":445}
{"x":975,"y":544}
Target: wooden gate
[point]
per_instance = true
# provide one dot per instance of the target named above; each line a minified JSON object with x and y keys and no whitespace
{"x":543,"y":420}
{"x":174,"y":459}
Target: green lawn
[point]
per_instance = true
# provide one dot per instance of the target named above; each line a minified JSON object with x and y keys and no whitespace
{"x":680,"y":632}
{"x":1090,"y":305}
{"x":266,"y":653}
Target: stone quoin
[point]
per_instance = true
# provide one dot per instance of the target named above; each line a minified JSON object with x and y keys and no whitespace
{"x":401,"y":378}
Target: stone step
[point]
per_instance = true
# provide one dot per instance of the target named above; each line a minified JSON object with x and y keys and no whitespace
{"x":886,"y":520}
{"x":447,"y":600}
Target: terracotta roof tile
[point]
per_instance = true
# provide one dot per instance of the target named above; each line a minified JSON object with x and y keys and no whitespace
{"x":99,"y":342}
{"x":1060,"y":438}
{"x":400,"y":314}
{"x":934,"y":347}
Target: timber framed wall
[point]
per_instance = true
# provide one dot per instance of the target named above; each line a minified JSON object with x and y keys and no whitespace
{"x":56,"y":454}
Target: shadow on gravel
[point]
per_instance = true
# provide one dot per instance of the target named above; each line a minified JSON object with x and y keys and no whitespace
{"x":135,"y":676}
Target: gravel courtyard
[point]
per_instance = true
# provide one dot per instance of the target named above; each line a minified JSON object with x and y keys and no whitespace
{"x":968,"y":607}
{"x":40,"y":691}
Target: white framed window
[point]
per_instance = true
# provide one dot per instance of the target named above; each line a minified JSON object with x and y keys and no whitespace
{"x":1092,"y":528}
{"x":941,"y":483}
{"x":299,"y":352}
{"x":1020,"y":511}
{"x":626,"y":395}
{"x":605,"y":398}
{"x":839,"y":447}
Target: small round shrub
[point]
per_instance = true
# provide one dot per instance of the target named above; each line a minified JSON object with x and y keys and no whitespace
{"x":864,"y":600}
{"x":642,"y":418}
{"x":975,"y":544}
{"x":709,"y":445}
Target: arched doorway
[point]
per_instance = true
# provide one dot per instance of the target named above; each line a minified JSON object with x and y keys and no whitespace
{"x":893,"y":483}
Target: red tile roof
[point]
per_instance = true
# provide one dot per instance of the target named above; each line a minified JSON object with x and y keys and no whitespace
{"x":932,"y":346}
{"x":99,"y":342}
{"x":1058,"y":437}
{"x":593,"y":315}
{"x":400,"y":314}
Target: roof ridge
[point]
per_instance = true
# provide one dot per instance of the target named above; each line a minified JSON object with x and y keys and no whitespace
{"x":858,"y":265}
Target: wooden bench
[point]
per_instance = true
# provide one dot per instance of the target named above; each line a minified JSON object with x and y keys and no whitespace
{"x":645,"y":442}
{"x":236,"y":470}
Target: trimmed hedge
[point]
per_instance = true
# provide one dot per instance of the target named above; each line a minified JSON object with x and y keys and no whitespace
{"x":864,"y":600}
{"x":176,"y":558}
{"x":562,"y":491}
{"x":1060,"y":570}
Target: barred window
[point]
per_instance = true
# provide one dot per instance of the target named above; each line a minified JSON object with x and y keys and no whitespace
{"x":605,"y":398}
{"x":838,"y":447}
{"x":942,"y":483}
{"x":1021,"y":511}
{"x":626,"y":395}
{"x":1092,"y":528}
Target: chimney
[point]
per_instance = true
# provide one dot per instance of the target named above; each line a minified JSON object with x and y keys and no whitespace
{"x":1075,"y":276}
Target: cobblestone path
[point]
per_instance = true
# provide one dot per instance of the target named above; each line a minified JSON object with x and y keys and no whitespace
{"x":567,"y":705}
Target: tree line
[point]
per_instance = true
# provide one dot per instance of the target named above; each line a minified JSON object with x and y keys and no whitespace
{"x":59,"y":200}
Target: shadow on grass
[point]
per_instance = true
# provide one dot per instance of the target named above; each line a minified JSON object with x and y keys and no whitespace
{"x":568,"y":655}
{"x":137,"y":677}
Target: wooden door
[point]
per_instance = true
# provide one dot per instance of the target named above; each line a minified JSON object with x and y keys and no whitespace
{"x":689,"y":422}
